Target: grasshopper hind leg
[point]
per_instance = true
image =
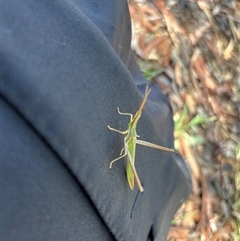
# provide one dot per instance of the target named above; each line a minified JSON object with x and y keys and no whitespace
{"x":123,"y":113}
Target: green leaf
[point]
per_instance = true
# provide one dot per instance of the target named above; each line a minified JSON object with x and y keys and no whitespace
{"x":151,"y":73}
{"x":194,"y":140}
{"x":200,"y":120}
{"x":179,"y":124}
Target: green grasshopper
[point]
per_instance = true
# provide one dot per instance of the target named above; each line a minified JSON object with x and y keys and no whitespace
{"x":130,"y":141}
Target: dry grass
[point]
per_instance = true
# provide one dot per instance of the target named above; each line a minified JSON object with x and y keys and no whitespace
{"x":191,"y":49}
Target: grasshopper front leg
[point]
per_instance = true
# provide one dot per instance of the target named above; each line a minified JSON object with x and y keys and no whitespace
{"x":120,"y":157}
{"x":118,"y":131}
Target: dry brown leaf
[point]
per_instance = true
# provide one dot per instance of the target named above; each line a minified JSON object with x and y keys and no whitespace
{"x":206,"y":206}
{"x":212,"y":45}
{"x":178,"y":233}
{"x":227,"y":53}
{"x":210,"y":83}
{"x":223,"y":234}
{"x":204,"y":5}
{"x":166,"y":59}
{"x":235,"y":30}
{"x":147,"y":9}
{"x":150,"y":46}
{"x":203,"y":74}
{"x":195,"y":186}
{"x":194,"y":37}
{"x":190,"y":157}
{"x":176,"y":100}
{"x":147,"y":16}
{"x":214,"y":103}
{"x":171,"y":22}
{"x":150,"y":26}
{"x":160,"y":44}
{"x":191,"y":215}
{"x":191,"y":72}
{"x":191,"y":103}
{"x":165,"y":45}
{"x":178,"y":74}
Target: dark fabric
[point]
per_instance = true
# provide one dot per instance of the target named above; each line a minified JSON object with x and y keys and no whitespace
{"x":41,"y":198}
{"x":65,"y":68}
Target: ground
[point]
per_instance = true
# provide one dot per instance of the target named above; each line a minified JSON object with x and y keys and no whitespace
{"x":191,"y":49}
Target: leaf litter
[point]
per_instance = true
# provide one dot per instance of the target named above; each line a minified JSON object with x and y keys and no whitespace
{"x":191,"y":49}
